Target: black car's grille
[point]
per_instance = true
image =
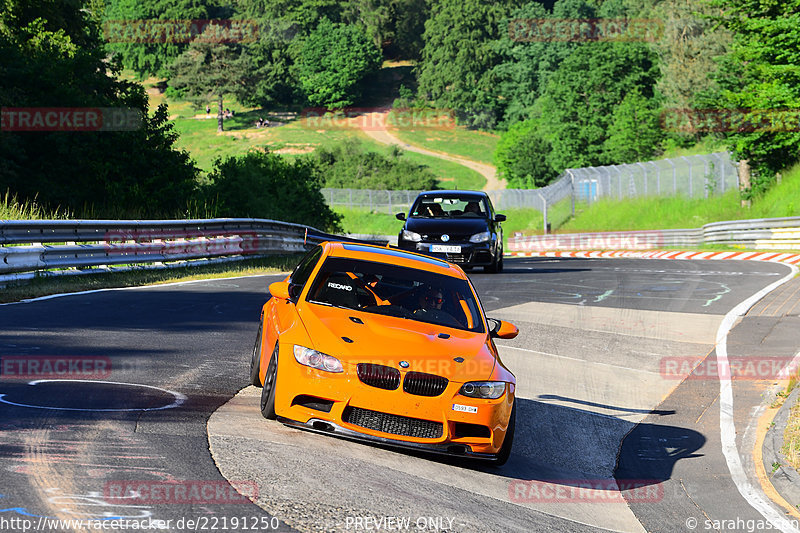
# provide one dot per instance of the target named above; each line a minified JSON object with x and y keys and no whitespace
{"x":393,"y":424}
{"x":382,"y":377}
{"x":456,"y":258}
{"x":423,"y":384}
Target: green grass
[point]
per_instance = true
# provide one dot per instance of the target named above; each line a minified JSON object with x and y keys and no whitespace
{"x":456,"y":140}
{"x":44,"y":286}
{"x":685,"y":213}
{"x":366,"y":222}
{"x":11,"y":209}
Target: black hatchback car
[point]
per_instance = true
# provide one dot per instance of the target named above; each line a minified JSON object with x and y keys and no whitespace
{"x":459,"y":226}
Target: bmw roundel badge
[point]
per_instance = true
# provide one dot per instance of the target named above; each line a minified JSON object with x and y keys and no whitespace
{"x":445,"y":237}
{"x":403,"y":364}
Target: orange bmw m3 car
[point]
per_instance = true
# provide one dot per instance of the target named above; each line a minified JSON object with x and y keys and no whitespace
{"x":387,"y":346}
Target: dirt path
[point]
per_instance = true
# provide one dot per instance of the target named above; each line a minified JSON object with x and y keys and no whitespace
{"x":374,"y":126}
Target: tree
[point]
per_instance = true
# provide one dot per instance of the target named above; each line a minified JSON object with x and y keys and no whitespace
{"x":689,"y":52}
{"x":760,"y":80}
{"x":208,"y":70}
{"x":521,"y":156}
{"x":150,"y":50}
{"x":334,"y":60}
{"x":53,"y":57}
{"x":635,"y":133}
{"x":456,"y":71}
{"x":264,"y":185}
{"x":581,"y":95}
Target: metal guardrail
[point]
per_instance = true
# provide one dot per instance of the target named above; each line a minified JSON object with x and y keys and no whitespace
{"x":58,"y":247}
{"x":757,"y":234}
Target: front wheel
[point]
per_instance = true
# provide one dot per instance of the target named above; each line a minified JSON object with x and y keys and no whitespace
{"x":255,"y":360}
{"x":508,"y":441}
{"x":268,"y":392}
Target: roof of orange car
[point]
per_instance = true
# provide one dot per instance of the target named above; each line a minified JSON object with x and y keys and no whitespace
{"x":393,"y":256}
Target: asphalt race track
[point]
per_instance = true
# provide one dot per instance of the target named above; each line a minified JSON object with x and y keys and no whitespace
{"x":601,"y":359}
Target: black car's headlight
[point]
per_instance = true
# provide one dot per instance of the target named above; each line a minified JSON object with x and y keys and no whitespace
{"x":487,"y":390}
{"x":411,"y":236}
{"x":314,"y":359}
{"x":481,"y":237}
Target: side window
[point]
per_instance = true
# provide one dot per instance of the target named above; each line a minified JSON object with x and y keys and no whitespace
{"x":303,"y":271}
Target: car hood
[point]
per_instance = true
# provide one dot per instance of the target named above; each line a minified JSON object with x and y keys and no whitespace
{"x":462,"y":226}
{"x":388,"y":340}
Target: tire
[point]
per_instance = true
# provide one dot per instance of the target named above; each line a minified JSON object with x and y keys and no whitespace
{"x":255,"y":360}
{"x":268,"y":391}
{"x":508,"y":441}
{"x":497,"y":264}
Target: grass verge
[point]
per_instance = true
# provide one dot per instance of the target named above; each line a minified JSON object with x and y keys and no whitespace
{"x":456,"y":140}
{"x":45,"y":286}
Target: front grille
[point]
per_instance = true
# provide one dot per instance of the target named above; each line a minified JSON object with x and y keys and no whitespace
{"x":382,"y":377}
{"x":456,"y":258}
{"x":423,"y":384}
{"x":393,"y":424}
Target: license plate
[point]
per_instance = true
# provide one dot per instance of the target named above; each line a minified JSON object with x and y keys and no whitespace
{"x":444,"y":249}
{"x":465,"y":408}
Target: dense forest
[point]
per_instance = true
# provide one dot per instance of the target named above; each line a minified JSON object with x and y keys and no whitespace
{"x":566,"y":83}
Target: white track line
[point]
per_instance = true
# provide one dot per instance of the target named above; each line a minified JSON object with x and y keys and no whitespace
{"x":726,"y":424}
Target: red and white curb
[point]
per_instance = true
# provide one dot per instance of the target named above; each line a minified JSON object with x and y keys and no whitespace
{"x":790,"y":258}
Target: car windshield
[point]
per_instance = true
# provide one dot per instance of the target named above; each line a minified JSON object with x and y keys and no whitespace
{"x":449,"y":207}
{"x":396,"y":291}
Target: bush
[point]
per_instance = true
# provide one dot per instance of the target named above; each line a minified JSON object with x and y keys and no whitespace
{"x":521,"y":157}
{"x":349,"y":165}
{"x":264,"y":185}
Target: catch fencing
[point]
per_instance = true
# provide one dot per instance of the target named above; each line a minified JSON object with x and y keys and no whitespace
{"x":696,"y":176}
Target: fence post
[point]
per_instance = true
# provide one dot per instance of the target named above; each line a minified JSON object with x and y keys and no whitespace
{"x":644,"y":169}
{"x":722,"y":170}
{"x":390,"y":203}
{"x":674,"y":178}
{"x":572,"y":180}
{"x":689,"y":163}
{"x":544,"y":211}
{"x":370,"y":200}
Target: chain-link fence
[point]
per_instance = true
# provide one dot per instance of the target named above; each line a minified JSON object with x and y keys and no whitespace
{"x":693,"y":176}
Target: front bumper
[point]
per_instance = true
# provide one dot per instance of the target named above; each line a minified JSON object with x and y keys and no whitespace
{"x":333,"y":404}
{"x":324,"y":426}
{"x":471,"y":254}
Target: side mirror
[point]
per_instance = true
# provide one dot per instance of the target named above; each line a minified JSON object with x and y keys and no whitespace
{"x":499,"y":218}
{"x":502,"y":330}
{"x":279,"y":290}
{"x":400,"y":216}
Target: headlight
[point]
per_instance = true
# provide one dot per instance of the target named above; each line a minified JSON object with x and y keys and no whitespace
{"x":411,"y":236}
{"x":314,"y":359}
{"x":487,"y":390}
{"x":480,"y":237}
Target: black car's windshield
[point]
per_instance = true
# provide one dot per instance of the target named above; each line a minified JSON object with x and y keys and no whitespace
{"x":449,"y":207}
{"x":396,"y":291}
